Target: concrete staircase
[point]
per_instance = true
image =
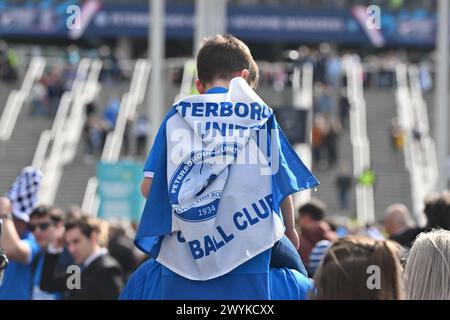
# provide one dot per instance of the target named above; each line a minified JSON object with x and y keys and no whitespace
{"x":392,"y":178}
{"x":327,"y":191}
{"x":18,"y":151}
{"x":74,"y":180}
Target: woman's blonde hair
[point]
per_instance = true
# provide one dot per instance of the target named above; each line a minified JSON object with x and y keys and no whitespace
{"x":345,"y":271}
{"x":427,"y":272}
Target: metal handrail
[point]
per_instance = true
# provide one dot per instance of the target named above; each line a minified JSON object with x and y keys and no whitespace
{"x":302,"y":94}
{"x":68,"y":133}
{"x":365,"y":211}
{"x":41,"y":149}
{"x":128,"y":105}
{"x":77,"y":118}
{"x":17,"y":98}
{"x":423,"y":153}
{"x":430,"y":157}
{"x":113,"y":144}
{"x":420,"y":155}
{"x":90,"y":202}
{"x":114,"y":139}
{"x":61,"y":114}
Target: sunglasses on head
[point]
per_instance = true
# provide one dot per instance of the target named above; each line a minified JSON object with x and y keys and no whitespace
{"x":42,"y":226}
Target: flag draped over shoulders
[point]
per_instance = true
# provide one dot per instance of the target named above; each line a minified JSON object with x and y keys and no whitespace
{"x":221,"y":167}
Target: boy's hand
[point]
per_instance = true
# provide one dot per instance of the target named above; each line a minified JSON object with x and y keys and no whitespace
{"x":145,"y":186}
{"x":293,"y":236}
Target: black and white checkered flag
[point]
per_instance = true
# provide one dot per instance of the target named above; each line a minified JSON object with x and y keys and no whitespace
{"x":24,"y":192}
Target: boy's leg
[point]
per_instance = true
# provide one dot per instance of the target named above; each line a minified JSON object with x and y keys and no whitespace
{"x":284,"y":255}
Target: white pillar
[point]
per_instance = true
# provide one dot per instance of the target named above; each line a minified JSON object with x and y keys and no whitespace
{"x":156,"y":57}
{"x":441,"y":100}
{"x":210,"y":19}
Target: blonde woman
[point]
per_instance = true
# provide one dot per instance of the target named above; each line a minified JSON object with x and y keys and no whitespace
{"x":427,"y":272}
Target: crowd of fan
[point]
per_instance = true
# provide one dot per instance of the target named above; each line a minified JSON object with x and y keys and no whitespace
{"x":99,"y":125}
{"x":412,"y":261}
{"x":59,"y":76}
{"x":42,"y":246}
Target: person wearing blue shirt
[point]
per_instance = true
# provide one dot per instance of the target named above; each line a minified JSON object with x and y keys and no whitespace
{"x":48,"y":228}
{"x":146,"y":284}
{"x":21,"y":248}
{"x":222,"y":60}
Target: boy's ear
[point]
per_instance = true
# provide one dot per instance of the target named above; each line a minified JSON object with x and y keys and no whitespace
{"x":200,"y":87}
{"x":244,"y":74}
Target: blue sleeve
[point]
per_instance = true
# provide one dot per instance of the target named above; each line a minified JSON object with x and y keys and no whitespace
{"x":144,"y":283}
{"x":292,"y":174}
{"x":152,"y":159}
{"x":288,"y":284}
{"x":159,"y":142}
{"x":34,"y":247}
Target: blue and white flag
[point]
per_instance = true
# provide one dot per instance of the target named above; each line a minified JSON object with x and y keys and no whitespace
{"x":221,"y":167}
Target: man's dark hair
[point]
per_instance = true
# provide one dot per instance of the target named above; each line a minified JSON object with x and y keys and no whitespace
{"x":314,"y":208}
{"x":437,"y":210}
{"x":55,"y":214}
{"x":87,"y":225}
{"x":221,"y":56}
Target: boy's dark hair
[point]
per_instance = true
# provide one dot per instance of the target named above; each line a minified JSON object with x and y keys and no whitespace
{"x":55,"y":214}
{"x":314,"y":208}
{"x":221,"y":56}
{"x":437,"y":210}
